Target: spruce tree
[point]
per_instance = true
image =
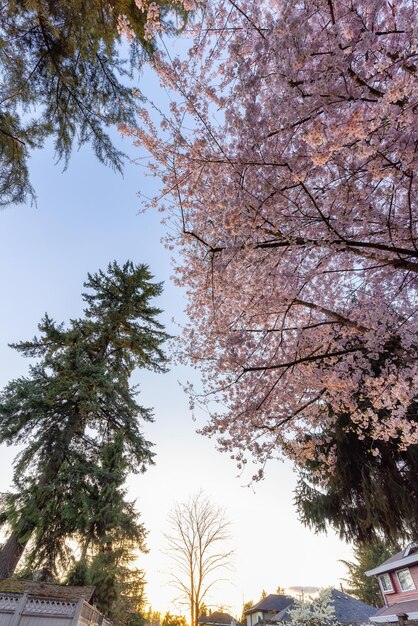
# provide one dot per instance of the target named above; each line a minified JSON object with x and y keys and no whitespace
{"x":77,"y":398}
{"x":64,"y":66}
{"x":369,"y":491}
{"x":110,"y":535}
{"x":367,"y":556}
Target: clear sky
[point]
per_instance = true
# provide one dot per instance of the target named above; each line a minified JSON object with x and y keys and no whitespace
{"x":84,"y":218}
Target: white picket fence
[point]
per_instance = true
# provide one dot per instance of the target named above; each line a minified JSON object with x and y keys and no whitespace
{"x":18,"y":609}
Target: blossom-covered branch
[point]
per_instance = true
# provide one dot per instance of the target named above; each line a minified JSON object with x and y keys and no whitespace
{"x":288,"y":161}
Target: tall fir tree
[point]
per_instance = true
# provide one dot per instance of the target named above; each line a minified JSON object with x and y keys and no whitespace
{"x":76,"y":398}
{"x":367,"y":556}
{"x":368,"y":491}
{"x":63,"y":74}
{"x":110,"y":536}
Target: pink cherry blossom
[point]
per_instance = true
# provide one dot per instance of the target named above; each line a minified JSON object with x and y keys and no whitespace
{"x":289,"y":169}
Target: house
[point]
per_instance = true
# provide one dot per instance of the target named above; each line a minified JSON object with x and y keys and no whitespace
{"x":217,"y":618}
{"x":32,"y":603}
{"x":347,"y":610}
{"x":267,"y":609}
{"x":398,"y":581}
{"x":275,"y":608}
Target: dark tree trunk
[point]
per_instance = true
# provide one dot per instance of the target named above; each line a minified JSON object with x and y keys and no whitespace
{"x":14,"y":547}
{"x":10,"y":555}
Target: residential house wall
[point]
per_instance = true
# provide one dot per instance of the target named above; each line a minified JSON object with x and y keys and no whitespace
{"x":397,"y":595}
{"x":253,"y":618}
{"x":401,"y":600}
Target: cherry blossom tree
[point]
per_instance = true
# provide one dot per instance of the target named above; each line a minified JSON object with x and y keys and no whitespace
{"x":289,"y":161}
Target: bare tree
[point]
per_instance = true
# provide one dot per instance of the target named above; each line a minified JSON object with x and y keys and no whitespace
{"x":197,"y":544}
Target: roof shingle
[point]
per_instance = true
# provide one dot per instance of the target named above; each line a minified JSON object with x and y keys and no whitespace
{"x":273,"y":602}
{"x":348,"y":610}
{"x":217,"y":617}
{"x":35,"y":588}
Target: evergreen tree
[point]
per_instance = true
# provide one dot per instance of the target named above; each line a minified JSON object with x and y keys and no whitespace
{"x":368,"y":491}
{"x":63,"y":75}
{"x":245,"y":607}
{"x":367,"y":556}
{"x":111,"y":534}
{"x":135,"y":619}
{"x":153,"y":618}
{"x":174,"y":620}
{"x":77,"y":398}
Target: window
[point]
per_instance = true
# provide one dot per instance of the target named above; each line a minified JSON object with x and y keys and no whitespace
{"x":385,"y":583}
{"x":405,"y":579}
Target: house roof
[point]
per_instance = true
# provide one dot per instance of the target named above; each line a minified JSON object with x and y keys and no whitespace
{"x":36,"y":588}
{"x":390,"y":613}
{"x":402,"y":558}
{"x":217,"y":617}
{"x":282,"y":615}
{"x":273,"y":602}
{"x":348,"y":610}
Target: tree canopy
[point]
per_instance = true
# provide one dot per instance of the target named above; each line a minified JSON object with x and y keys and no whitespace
{"x":64,"y":74}
{"x":367,"y":556}
{"x":77,"y":417}
{"x":173,"y":620}
{"x":288,"y":161}
{"x":110,"y":535}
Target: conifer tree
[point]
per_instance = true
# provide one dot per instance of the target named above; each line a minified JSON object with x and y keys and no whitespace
{"x":245,"y":607}
{"x":367,"y":556}
{"x":76,"y":398}
{"x":63,"y":75}
{"x":109,"y":534}
{"x":174,"y":620}
{"x":369,"y":491}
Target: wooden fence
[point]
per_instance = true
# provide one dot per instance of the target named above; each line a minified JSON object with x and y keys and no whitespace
{"x":27,"y":610}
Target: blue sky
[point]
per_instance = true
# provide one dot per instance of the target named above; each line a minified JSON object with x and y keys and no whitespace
{"x":85,"y":217}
